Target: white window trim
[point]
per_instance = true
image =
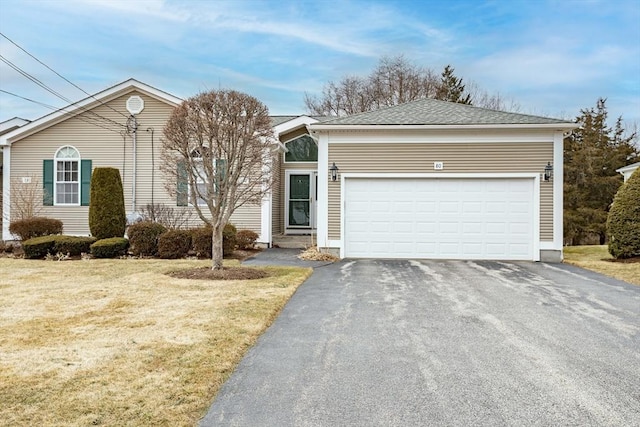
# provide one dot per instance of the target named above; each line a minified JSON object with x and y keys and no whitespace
{"x":56,"y":160}
{"x":198,"y":181}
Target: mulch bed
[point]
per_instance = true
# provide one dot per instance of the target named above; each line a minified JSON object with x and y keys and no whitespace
{"x":227,"y":273}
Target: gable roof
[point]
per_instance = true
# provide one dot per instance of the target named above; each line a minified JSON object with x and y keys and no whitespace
{"x":433,"y":112}
{"x":87,"y":104}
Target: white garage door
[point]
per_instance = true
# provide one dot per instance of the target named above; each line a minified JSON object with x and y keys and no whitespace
{"x":443,"y":218}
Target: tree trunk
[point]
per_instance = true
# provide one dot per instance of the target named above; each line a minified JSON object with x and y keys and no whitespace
{"x":216,"y":249}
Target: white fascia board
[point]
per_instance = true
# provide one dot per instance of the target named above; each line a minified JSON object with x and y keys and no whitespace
{"x":554,"y":126}
{"x":79,"y":107}
{"x":11,"y":123}
{"x":631,"y":167}
{"x":292,"y":124}
{"x":6,"y":192}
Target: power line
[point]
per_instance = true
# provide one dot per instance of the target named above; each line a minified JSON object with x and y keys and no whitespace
{"x":68,"y":113}
{"x":54,"y":92}
{"x":61,"y":76}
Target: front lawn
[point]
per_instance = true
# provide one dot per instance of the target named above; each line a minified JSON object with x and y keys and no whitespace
{"x":597,"y":258}
{"x":119,"y":342}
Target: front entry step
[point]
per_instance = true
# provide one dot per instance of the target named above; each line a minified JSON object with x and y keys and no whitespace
{"x":298,"y":241}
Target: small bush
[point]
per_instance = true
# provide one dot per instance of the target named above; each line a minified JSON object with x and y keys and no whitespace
{"x":246,"y":239}
{"x":229,"y":234}
{"x":110,"y":248}
{"x":38,"y":247}
{"x":107,"y":216}
{"x":201,"y":241}
{"x":623,"y":222}
{"x":72,"y":245}
{"x":174,"y":244}
{"x":35,"y":226}
{"x":143,"y":237}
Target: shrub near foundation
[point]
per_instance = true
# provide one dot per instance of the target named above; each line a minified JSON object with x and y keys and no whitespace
{"x":246,"y":239}
{"x":35,"y":226}
{"x":107,"y":216}
{"x":174,"y":244}
{"x":143,"y":237}
{"x":110,"y":248}
{"x":38,"y":247}
{"x":72,"y":245}
{"x":203,"y":237}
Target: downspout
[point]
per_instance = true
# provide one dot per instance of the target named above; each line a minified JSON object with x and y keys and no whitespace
{"x":153,"y":167}
{"x":134,"y":166}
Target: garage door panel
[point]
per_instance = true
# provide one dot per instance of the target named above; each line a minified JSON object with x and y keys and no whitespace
{"x":439,"y":218}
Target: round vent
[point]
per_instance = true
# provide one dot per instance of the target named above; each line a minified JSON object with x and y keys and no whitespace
{"x":135,"y":104}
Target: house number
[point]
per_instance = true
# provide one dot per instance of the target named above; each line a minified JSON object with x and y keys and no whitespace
{"x":438,"y":166}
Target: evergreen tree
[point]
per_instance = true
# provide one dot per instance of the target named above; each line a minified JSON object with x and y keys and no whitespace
{"x":451,"y":88}
{"x":592,"y":153}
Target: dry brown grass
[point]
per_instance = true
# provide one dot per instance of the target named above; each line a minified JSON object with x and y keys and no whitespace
{"x":119,"y":342}
{"x":597,"y":258}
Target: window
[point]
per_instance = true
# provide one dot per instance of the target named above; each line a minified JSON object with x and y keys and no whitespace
{"x":67,"y":177}
{"x":202,"y":187}
{"x":301,"y":149}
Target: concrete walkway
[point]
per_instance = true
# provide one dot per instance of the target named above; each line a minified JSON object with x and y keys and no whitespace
{"x":280,"y":256}
{"x":455,"y":343}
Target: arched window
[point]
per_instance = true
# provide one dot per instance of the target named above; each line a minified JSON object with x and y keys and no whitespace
{"x":301,"y":149}
{"x":67,"y":176}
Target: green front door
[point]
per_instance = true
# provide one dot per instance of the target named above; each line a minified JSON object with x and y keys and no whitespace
{"x":299,"y":200}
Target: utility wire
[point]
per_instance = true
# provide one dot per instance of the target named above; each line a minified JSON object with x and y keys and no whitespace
{"x":50,"y":90}
{"x":68,"y":113}
{"x":61,"y":76}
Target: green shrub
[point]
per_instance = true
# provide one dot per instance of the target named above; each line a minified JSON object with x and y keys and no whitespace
{"x":110,"y":248}
{"x":72,"y":245}
{"x":201,"y":241}
{"x":35,"y":226}
{"x":246,"y":239}
{"x":623,"y":222}
{"x":229,"y":239}
{"x":107,"y":217}
{"x":38,"y":247}
{"x":143,"y":237}
{"x":174,"y":244}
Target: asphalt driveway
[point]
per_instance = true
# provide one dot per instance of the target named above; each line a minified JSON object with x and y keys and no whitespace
{"x":407,"y":343}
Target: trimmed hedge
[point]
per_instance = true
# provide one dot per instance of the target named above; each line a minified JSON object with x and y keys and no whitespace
{"x":143,"y":237}
{"x":38,"y":247}
{"x":110,"y":248}
{"x":246,"y":239}
{"x":623,"y":222}
{"x":72,"y":245}
{"x":35,"y":226}
{"x":107,"y":216}
{"x":174,"y":244}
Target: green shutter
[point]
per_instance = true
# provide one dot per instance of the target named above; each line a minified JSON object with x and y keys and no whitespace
{"x":85,"y":182}
{"x":221,"y":172}
{"x":182,"y":188}
{"x":47,"y":180}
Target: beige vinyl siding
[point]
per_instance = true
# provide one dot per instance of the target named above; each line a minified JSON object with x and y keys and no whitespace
{"x":109,"y":149}
{"x":457,"y":158}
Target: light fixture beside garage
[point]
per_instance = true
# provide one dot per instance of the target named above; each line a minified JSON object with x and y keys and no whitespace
{"x":548,"y":171}
{"x":334,"y":171}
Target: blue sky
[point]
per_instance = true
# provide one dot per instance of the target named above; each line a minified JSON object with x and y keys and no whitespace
{"x":552,"y":57}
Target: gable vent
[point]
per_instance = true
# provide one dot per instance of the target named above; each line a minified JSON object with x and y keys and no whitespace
{"x":135,"y":104}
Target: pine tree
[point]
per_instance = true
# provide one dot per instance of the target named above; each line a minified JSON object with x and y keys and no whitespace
{"x":451,"y":88}
{"x":592,"y":153}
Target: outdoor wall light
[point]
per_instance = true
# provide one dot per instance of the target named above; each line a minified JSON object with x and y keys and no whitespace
{"x":548,"y":171}
{"x":334,"y":172}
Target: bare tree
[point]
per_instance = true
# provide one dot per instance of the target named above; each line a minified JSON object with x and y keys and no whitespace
{"x":27,"y":196}
{"x":394,"y":81}
{"x":216,"y":152}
